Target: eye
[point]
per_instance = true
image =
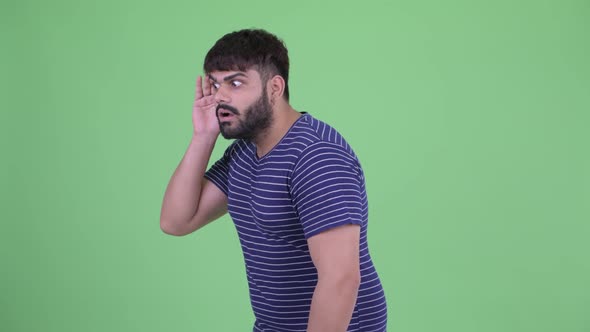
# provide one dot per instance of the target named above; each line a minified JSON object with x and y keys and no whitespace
{"x":215,"y":86}
{"x":236,"y":83}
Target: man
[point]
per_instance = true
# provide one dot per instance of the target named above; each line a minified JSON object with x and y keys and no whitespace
{"x":293,"y":187}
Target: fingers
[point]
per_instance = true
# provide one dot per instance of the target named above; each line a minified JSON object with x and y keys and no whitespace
{"x":199,"y":93}
{"x":203,"y":87}
{"x":206,"y":87}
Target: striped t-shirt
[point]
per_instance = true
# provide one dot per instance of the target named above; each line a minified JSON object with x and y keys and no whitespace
{"x":309,"y":182}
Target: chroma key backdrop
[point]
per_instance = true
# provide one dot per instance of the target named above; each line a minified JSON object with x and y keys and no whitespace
{"x":470,"y":118}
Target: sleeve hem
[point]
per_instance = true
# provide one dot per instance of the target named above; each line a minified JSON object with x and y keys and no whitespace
{"x":216,"y":182}
{"x":332,"y":225}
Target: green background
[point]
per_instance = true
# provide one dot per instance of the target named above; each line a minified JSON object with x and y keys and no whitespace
{"x":470,"y":119}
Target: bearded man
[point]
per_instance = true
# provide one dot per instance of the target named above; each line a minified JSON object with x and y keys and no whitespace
{"x":292,"y":185}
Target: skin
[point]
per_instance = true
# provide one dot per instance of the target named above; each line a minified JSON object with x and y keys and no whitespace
{"x":191,"y":201}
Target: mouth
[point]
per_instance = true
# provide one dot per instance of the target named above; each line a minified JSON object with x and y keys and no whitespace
{"x":224,"y":114}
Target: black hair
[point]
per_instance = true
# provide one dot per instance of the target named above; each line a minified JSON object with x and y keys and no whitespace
{"x":250,"y":49}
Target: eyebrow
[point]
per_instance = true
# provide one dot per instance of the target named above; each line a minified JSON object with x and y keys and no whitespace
{"x":229,"y":77}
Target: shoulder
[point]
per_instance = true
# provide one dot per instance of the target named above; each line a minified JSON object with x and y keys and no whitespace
{"x":325,"y":154}
{"x":321,"y":138}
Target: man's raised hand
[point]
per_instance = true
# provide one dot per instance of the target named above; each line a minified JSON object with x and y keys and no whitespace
{"x":204,"y":109}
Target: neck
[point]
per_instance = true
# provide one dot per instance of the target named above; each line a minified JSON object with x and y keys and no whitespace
{"x":284,"y":116}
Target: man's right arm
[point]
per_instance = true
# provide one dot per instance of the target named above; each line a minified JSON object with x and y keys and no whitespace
{"x":191,"y":201}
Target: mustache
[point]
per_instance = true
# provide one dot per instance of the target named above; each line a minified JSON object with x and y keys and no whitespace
{"x":227,"y":108}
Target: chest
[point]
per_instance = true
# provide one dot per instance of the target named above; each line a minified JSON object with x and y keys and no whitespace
{"x":259,"y":196}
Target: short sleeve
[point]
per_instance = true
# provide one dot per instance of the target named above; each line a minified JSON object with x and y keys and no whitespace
{"x":218,"y":173}
{"x":327,"y":188}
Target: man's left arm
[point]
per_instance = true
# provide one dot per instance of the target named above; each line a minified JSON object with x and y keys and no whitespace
{"x":335,"y":253}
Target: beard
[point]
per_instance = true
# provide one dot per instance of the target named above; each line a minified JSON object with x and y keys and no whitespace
{"x":256,"y":118}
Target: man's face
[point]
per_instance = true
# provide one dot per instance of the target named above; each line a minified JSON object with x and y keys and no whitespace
{"x":243,"y":109}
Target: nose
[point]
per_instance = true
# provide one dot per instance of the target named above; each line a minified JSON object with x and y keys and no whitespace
{"x":221,"y":95}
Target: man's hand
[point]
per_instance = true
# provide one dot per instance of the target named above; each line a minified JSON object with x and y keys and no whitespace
{"x":204,"y":109}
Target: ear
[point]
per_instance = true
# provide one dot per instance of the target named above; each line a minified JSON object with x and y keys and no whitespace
{"x":276,"y":88}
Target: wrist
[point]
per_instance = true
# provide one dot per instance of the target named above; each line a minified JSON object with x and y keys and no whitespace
{"x":204,"y":138}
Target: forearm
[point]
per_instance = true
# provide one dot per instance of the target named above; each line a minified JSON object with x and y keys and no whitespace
{"x":332,"y":304}
{"x":182,"y":195}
